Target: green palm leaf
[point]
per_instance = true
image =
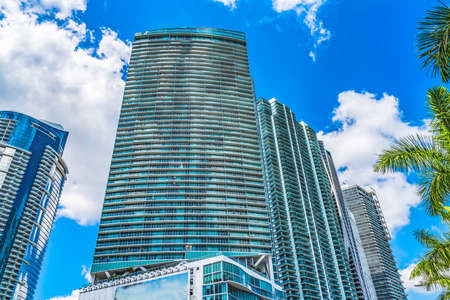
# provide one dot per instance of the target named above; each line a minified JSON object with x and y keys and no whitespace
{"x":411,"y":153}
{"x":434,"y":189}
{"x":438,"y":102}
{"x":428,"y":156}
{"x":433,"y":41}
{"x":433,"y":269}
{"x":445,"y":295}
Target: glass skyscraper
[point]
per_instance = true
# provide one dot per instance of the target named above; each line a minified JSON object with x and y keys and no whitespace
{"x":375,"y":238}
{"x":308,"y":249}
{"x":32,"y":174}
{"x":359,"y":267}
{"x":186,"y":178}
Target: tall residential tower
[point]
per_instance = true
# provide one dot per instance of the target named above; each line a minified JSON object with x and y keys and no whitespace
{"x":308,"y":246}
{"x":32,"y":174}
{"x":186,"y":179}
{"x":375,"y":238}
{"x":358,"y":263}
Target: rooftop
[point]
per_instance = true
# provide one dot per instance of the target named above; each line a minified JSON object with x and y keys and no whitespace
{"x":227,"y":33}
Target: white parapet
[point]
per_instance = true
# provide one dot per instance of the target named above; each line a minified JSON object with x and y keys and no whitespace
{"x":217,"y":276}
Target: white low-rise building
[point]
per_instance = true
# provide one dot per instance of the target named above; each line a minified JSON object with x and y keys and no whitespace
{"x":214,"y":278}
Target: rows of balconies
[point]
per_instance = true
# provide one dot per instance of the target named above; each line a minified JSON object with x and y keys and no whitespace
{"x":188,"y":150}
{"x":242,"y":82}
{"x":198,"y":48}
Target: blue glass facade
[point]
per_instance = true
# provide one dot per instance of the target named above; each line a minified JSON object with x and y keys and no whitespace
{"x":226,"y":281}
{"x":32,"y":175}
{"x":308,"y":246}
{"x":357,"y":259}
{"x":186,"y":179}
{"x":374,"y":235}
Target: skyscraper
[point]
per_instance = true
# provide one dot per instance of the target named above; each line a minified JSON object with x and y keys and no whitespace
{"x":359,"y":267}
{"x":308,"y":246}
{"x":32,"y":174}
{"x":375,"y":238}
{"x":186,"y":179}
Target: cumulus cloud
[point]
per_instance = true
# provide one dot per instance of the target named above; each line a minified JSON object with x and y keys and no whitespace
{"x":64,"y":8}
{"x":44,"y":72}
{"x":366,"y":126}
{"x":74,"y":296}
{"x":308,"y":9}
{"x":229,"y":3}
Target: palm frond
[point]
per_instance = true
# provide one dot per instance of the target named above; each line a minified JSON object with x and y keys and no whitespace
{"x":444,"y":295}
{"x":412,"y":152}
{"x":433,"y":269}
{"x":426,"y":239}
{"x":433,"y":41}
{"x":438,"y":102}
{"x":434,"y":189}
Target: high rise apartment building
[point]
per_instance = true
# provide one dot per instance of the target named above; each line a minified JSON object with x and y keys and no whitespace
{"x":185,"y":180}
{"x":308,"y":249}
{"x":359,"y":267}
{"x":375,"y":237}
{"x":32,"y":174}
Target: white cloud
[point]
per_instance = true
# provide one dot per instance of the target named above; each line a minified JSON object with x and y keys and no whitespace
{"x":368,"y":125}
{"x":86,"y":273}
{"x":45,"y":73}
{"x":73,"y":296}
{"x":308,"y":9}
{"x":64,"y":7}
{"x":229,"y":3}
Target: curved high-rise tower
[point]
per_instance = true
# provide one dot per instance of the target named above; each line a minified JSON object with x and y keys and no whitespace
{"x":32,"y":174}
{"x":185,"y":179}
{"x":308,"y":247}
{"x":357,"y":260}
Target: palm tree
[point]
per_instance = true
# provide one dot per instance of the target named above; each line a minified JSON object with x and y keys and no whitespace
{"x":433,"y":41}
{"x":433,"y":270}
{"x":428,"y":156}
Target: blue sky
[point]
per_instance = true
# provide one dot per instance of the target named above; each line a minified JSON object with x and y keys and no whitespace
{"x":347,"y":68}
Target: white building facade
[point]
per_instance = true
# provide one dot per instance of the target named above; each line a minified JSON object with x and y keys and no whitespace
{"x":215,"y":278}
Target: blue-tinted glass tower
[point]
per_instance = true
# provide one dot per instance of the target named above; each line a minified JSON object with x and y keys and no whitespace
{"x":374,"y":235}
{"x":186,"y":179}
{"x":32,"y":174}
{"x":358,"y":263}
{"x":308,"y":245}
